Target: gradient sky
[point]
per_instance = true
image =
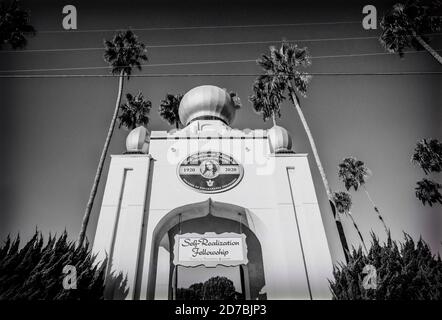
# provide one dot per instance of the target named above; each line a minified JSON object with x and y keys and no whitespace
{"x":52,"y":130}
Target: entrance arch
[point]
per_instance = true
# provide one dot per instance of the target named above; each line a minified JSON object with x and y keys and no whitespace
{"x":207,"y":216}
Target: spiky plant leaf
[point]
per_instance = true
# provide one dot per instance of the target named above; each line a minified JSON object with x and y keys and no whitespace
{"x":404,"y":271}
{"x":35,"y":271}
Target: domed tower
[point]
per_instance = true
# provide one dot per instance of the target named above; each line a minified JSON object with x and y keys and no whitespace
{"x":246,"y":192}
{"x":280,"y":140}
{"x":207,"y":103}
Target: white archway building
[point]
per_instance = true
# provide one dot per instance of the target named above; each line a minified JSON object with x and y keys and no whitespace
{"x":208,"y":177}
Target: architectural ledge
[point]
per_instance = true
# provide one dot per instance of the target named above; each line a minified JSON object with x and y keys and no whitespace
{"x":209,"y":134}
{"x":298,"y":155}
{"x":131,"y":155}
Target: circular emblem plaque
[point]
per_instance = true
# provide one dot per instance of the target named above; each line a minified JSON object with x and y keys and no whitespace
{"x":210,"y":172}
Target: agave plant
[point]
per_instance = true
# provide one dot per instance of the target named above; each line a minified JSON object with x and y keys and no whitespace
{"x":428,"y":191}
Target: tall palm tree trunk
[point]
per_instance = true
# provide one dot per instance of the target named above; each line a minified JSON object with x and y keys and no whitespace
{"x":93,"y":193}
{"x":359,"y":231}
{"x":376,"y":209}
{"x":427,"y":47}
{"x":274,"y":118}
{"x":322,"y":173}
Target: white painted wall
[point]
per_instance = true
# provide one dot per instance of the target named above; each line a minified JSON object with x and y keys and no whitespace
{"x":277,"y":191}
{"x":120,"y":223}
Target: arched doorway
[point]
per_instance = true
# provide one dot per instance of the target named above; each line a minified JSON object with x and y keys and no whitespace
{"x":168,"y":281}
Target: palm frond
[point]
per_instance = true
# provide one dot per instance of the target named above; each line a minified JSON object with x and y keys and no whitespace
{"x":404,"y":20}
{"x":135,"y":112}
{"x":14,"y":25}
{"x":169,"y":108}
{"x":280,"y":69}
{"x":124,"y":52}
{"x":427,"y":191}
{"x":353,"y":173}
{"x":342,"y":201}
{"x":428,"y":155}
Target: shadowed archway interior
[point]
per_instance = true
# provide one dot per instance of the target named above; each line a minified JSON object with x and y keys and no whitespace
{"x":208,"y":217}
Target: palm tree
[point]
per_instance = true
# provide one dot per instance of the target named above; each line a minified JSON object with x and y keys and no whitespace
{"x":353,"y":173}
{"x":14,"y":25}
{"x":122,"y":53}
{"x":281,"y":78}
{"x":169,"y":109}
{"x":428,"y":155}
{"x":266,"y":99}
{"x":428,"y":191}
{"x":343,"y":203}
{"x":134,"y":112}
{"x":406,"y":25}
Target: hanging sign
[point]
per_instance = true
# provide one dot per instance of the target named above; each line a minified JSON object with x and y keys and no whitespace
{"x":210,"y":172}
{"x":210,"y":249}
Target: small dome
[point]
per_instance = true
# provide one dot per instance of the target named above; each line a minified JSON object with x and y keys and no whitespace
{"x":137,"y":140}
{"x":279,"y":140}
{"x":207,"y":102}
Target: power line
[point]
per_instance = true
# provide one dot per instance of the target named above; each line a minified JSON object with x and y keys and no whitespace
{"x":143,"y":65}
{"x":159,"y":75}
{"x":201,"y":44}
{"x":203,"y":27}
{"x":189,"y":45}
{"x":202,"y":62}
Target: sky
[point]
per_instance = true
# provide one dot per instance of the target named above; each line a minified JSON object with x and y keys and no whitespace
{"x":52,"y":130}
